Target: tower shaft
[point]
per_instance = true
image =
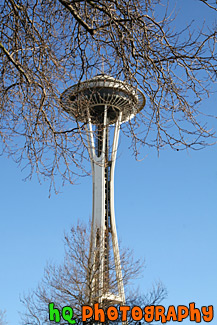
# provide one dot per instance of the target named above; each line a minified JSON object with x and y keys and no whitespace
{"x":103,"y":230}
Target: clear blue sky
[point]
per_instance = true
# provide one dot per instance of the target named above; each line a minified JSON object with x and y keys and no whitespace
{"x":166,"y":210}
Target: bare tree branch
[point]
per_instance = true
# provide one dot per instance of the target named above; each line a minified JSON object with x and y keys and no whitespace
{"x":2,"y":318}
{"x":69,"y":284}
{"x":48,"y":46}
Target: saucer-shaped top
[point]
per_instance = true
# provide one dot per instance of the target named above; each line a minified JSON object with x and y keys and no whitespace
{"x":88,"y":99}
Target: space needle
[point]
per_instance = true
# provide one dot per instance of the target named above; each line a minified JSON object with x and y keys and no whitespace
{"x":101,"y":104}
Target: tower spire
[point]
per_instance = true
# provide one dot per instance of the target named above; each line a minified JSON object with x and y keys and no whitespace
{"x":103,"y":62}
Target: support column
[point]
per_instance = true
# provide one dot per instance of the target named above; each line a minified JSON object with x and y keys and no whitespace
{"x":103,"y":217}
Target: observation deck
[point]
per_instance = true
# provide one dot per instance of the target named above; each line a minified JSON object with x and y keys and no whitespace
{"x":88,"y":99}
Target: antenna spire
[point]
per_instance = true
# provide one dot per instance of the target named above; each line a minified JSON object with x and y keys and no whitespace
{"x":103,"y":60}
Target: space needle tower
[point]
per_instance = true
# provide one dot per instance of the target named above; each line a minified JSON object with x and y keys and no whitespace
{"x":102,"y":104}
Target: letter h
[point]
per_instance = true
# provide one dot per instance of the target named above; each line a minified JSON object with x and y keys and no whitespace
{"x":54,"y":311}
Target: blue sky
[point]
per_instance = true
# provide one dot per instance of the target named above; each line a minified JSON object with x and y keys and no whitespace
{"x":166,"y":210}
